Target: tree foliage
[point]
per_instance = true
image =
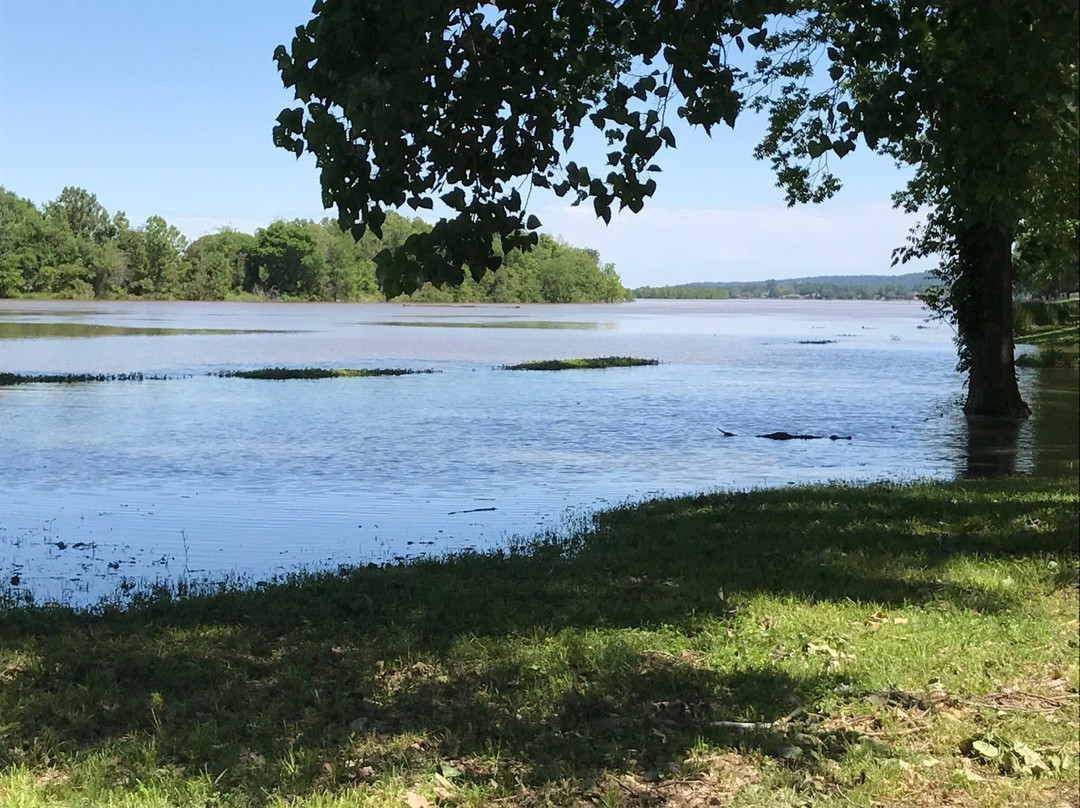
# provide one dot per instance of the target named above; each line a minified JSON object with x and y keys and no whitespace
{"x":105,"y":257}
{"x":474,"y":104}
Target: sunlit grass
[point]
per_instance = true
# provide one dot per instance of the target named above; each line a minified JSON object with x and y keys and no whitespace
{"x":1054,"y":328}
{"x":820,"y":646}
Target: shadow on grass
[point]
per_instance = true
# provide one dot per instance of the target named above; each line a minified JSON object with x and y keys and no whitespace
{"x":538,"y":658}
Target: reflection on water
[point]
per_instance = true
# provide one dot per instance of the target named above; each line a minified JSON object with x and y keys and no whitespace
{"x":1056,"y":422}
{"x":44,"y":330}
{"x":992,"y":445}
{"x":1046,"y":443}
{"x":203,"y":477}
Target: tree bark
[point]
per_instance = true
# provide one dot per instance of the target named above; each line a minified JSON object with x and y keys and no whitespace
{"x":986,"y":323}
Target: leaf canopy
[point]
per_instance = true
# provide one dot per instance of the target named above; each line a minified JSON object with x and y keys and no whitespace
{"x":474,"y":104}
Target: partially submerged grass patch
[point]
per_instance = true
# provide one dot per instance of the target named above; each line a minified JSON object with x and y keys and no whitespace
{"x":1054,"y":328}
{"x":818,"y":646}
{"x":11,"y":379}
{"x":576,"y":364}
{"x":1050,"y":357}
{"x":314,"y":373}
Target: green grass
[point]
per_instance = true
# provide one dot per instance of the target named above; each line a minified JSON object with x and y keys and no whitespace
{"x":1051,"y":356}
{"x":1054,"y":328}
{"x":278,"y":374}
{"x":817,"y":646}
{"x":576,"y":364}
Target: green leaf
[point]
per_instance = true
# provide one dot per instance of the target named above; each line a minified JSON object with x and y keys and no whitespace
{"x":602,"y":209}
{"x":455,"y":199}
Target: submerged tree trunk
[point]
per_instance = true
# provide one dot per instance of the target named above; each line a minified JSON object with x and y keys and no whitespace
{"x":985,"y":318}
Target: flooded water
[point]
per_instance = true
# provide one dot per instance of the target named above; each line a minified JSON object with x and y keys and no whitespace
{"x":110,"y":484}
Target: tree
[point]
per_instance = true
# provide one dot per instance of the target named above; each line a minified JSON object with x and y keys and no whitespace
{"x":1047,"y":254}
{"x":218,"y":264}
{"x":165,"y":246}
{"x":86,"y":217}
{"x":21,"y":242}
{"x":974,"y":96}
{"x":475,"y":103}
{"x":347,"y":274}
{"x":286,"y":260}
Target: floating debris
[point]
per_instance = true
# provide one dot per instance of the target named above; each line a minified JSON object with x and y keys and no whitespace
{"x":789,"y":436}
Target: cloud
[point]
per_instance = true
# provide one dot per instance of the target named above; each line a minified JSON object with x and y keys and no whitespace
{"x":679,"y":245}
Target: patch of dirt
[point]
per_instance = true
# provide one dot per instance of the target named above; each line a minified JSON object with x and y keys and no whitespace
{"x":653,"y":661}
{"x":720,"y":778}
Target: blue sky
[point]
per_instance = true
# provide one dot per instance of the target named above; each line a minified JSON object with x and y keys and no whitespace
{"x":165,"y":107}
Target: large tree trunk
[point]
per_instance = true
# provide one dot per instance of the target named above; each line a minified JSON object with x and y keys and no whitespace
{"x":986,"y":324}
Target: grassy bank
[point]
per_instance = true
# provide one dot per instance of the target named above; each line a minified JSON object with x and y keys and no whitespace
{"x":823,"y":646}
{"x":1053,"y":327}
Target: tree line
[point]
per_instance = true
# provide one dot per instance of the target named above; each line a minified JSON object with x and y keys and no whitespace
{"x":779,"y":289}
{"x":73,"y":247}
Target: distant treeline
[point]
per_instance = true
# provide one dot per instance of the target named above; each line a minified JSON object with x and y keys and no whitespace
{"x":829,"y":287}
{"x":682,"y":292}
{"x":73,"y":248}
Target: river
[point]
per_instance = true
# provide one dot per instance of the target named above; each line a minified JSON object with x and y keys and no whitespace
{"x":109,"y":485}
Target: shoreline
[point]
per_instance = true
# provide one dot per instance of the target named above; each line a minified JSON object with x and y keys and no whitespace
{"x":726,"y":645}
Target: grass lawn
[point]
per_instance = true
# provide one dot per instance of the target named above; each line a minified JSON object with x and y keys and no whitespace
{"x":887,"y":645}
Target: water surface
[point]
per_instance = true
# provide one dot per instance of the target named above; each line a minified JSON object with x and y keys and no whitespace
{"x":196,"y":476}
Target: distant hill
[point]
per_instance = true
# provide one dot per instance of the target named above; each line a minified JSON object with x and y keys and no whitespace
{"x":912,"y":280}
{"x":867,"y":287}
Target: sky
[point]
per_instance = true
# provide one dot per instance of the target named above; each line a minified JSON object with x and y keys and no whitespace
{"x":165,"y":107}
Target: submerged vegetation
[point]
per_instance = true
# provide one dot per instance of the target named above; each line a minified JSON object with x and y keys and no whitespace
{"x":577,"y":364}
{"x":315,"y":373}
{"x":822,"y":646}
{"x":11,"y":379}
